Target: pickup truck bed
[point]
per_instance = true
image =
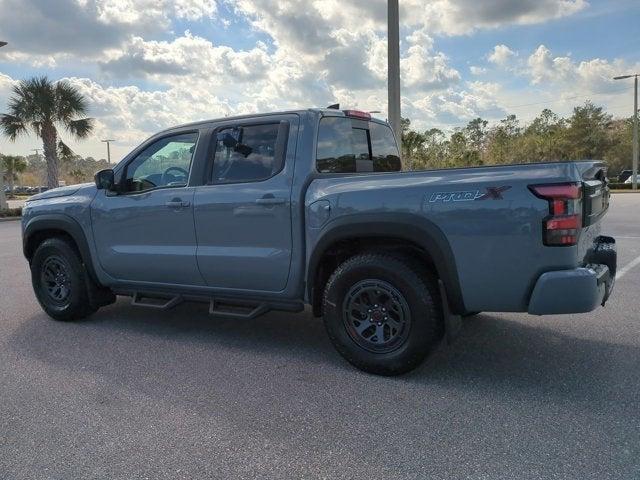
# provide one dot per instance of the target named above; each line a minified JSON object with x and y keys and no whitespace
{"x":487,"y":243}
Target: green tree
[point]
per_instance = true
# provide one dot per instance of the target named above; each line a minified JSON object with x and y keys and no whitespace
{"x":412,"y":145}
{"x":587,"y":135}
{"x":41,"y":106}
{"x":502,"y":145}
{"x":618,"y":155}
{"x":459,"y":152}
{"x":11,"y":166}
{"x":435,"y":149}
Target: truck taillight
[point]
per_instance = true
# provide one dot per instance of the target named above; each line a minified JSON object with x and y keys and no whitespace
{"x":563,"y":225}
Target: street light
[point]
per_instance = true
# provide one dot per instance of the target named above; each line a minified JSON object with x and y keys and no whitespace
{"x":634,"y":160}
{"x":3,"y":199}
{"x":108,"y":141}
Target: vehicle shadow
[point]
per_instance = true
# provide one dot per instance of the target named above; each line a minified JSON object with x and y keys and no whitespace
{"x":493,"y":356}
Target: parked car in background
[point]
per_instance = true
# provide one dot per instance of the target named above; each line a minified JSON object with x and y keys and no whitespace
{"x":272,"y":212}
{"x":624,"y":175}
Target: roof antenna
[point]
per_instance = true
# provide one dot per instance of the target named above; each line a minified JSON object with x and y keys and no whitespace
{"x":335,"y":106}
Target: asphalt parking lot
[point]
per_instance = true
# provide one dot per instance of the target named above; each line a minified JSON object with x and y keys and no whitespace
{"x":134,"y":393}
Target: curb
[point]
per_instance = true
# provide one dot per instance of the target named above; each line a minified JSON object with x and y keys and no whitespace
{"x":9,"y":219}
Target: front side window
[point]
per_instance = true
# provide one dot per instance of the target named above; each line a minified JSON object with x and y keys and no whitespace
{"x":164,"y":163}
{"x":345,"y":146}
{"x":245,"y":154}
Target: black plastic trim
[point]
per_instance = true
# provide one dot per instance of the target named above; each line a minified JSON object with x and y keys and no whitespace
{"x":63,"y":223}
{"x":407,"y":227}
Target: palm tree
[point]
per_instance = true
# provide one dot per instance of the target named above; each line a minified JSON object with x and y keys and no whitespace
{"x":12,"y":165}
{"x":42,"y":106}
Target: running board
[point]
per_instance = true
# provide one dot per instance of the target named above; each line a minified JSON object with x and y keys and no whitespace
{"x":229,"y":309}
{"x":146,"y":300}
{"x":225,"y":308}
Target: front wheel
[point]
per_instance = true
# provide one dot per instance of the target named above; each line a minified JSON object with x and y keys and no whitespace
{"x":382,"y":315}
{"x":59,"y":281}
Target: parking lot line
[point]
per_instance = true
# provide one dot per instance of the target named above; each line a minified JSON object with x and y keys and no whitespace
{"x":624,"y":270}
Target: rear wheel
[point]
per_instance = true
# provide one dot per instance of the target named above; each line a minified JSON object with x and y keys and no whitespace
{"x":381,"y":314}
{"x":60,"y":282}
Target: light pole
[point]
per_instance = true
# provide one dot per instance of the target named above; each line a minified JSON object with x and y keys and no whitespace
{"x":3,"y":199}
{"x":108,"y":141}
{"x":393,"y":62}
{"x":37,"y":150}
{"x":634,"y":160}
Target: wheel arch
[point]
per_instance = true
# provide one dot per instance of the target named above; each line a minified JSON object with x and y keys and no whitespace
{"x":41,"y":227}
{"x":382,"y":231}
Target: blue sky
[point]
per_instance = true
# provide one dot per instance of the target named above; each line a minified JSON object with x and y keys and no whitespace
{"x":148,"y":64}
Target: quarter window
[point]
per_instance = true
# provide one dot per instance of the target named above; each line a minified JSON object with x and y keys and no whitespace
{"x":347,"y":146}
{"x":164,"y":163}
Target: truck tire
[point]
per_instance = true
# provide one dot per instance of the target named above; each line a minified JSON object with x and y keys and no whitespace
{"x":60,"y":281}
{"x":381,"y":314}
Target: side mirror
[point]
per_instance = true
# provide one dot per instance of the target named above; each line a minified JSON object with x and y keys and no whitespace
{"x":104,"y":179}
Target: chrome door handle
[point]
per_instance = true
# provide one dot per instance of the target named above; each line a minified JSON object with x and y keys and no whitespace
{"x":271,"y":201}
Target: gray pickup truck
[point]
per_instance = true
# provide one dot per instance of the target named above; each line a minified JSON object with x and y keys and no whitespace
{"x":279,"y":211}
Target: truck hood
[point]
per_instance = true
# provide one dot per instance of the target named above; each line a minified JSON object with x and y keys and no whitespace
{"x":60,"y":191}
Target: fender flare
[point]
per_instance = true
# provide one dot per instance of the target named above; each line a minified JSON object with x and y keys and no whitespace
{"x":62,"y":223}
{"x":408,"y":227}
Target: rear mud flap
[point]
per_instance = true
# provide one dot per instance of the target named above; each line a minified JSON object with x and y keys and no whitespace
{"x":452,"y":322}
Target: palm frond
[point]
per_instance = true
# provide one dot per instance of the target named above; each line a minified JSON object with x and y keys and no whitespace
{"x":64,"y":152}
{"x":12,"y":126}
{"x":30,"y":106}
{"x":35,"y":99}
{"x":37,"y":128}
{"x":69,"y":102}
{"x":80,"y":128}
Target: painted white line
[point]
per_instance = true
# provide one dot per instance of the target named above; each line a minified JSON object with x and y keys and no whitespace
{"x":624,"y":270}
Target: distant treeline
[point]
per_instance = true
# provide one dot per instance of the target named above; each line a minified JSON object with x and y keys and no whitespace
{"x":589,"y":133}
{"x":31,"y":170}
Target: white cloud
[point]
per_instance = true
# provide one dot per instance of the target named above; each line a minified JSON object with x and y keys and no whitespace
{"x":594,"y":75}
{"x":501,"y":55}
{"x":43,"y":29}
{"x":461,"y":17}
{"x":475,"y":70}
{"x":424,"y":71}
{"x":195,"y":9}
{"x":188,"y":55}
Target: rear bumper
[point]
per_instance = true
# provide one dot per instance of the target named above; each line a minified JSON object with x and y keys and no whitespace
{"x":577,"y":290}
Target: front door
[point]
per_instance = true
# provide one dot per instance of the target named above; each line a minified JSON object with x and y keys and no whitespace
{"x":145,"y":232}
{"x":243,"y":213}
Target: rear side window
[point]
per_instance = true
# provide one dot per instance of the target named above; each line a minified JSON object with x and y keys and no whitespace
{"x":347,"y":146}
{"x":246,"y":154}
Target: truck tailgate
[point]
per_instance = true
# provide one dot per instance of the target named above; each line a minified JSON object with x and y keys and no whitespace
{"x":596,"y":192}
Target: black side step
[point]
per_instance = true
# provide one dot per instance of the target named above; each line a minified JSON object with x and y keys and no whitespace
{"x":239,"y":308}
{"x":229,"y":309}
{"x":145,"y":300}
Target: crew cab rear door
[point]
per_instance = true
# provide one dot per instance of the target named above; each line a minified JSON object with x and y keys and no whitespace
{"x":243,"y":211}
